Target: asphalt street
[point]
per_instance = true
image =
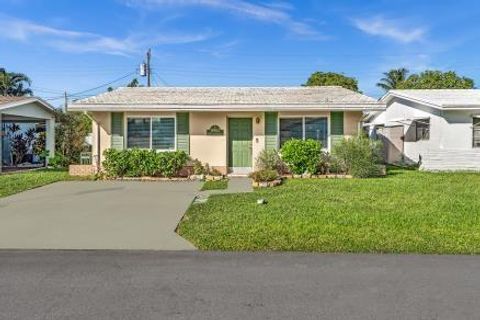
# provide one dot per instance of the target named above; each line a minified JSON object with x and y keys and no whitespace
{"x":209,"y":285}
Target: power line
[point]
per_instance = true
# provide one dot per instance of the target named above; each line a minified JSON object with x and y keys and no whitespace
{"x":105,"y":84}
{"x":82,"y":93}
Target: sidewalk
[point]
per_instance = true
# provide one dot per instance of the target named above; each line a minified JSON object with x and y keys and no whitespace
{"x":235,"y":185}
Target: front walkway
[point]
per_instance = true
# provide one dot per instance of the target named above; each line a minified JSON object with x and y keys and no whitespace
{"x":235,"y":185}
{"x":97,"y":215}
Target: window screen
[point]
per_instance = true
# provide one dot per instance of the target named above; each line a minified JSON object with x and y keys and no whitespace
{"x":317,"y":129}
{"x":163,"y":133}
{"x":138,"y":133}
{"x":476,"y":132}
{"x":290,"y":128}
{"x":422,"y":129}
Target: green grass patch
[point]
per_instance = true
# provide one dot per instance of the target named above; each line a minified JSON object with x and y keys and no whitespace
{"x":407,"y":212}
{"x":11,"y":183}
{"x":215,"y":185}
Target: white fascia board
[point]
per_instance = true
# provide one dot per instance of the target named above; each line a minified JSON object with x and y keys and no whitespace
{"x":462,"y":107}
{"x":41,"y":102}
{"x":389,"y":96}
{"x":250,"y":108}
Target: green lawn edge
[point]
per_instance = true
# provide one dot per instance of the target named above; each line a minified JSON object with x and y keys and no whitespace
{"x":408,"y":211}
{"x":16,"y":182}
{"x":215,"y":185}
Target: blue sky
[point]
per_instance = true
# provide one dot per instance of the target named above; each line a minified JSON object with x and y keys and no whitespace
{"x":78,"y":45}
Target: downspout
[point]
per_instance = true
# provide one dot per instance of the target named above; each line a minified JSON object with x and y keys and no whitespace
{"x":97,"y":164}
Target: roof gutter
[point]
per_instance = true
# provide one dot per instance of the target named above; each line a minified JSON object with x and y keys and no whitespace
{"x":236,"y":108}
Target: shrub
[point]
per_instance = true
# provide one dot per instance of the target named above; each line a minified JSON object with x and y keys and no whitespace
{"x":198,"y":168}
{"x":269,"y":160}
{"x":71,"y":129}
{"x":264,"y":175}
{"x":171,"y":162}
{"x":301,"y":156}
{"x":325,"y":163}
{"x":358,"y":156}
{"x":214,"y":172}
{"x":139,"y":162}
{"x":58,"y":161}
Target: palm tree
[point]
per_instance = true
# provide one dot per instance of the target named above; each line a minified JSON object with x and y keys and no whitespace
{"x":14,"y":84}
{"x":393,"y":78}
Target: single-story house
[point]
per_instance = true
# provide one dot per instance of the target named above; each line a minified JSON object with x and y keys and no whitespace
{"x":27,"y":131}
{"x":224,"y":127}
{"x":440,"y":129}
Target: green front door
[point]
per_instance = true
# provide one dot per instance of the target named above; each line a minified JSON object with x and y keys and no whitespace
{"x":240,"y":143}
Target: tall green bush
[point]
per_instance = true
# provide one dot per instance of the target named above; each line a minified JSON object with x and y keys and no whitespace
{"x":301,"y":156}
{"x":140,"y":162}
{"x":359,"y":156}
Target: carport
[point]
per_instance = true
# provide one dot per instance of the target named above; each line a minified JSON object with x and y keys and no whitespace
{"x":27,"y":133}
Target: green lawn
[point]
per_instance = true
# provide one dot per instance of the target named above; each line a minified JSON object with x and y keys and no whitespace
{"x":408,"y":211}
{"x":215,"y":185}
{"x":11,"y":183}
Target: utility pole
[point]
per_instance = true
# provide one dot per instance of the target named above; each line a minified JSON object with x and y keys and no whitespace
{"x":65,"y":108}
{"x":149,"y":69}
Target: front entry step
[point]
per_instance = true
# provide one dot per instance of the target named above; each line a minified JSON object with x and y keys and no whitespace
{"x":239,"y":171}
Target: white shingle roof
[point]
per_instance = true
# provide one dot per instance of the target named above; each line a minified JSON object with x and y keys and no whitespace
{"x":441,"y":98}
{"x":193,"y":98}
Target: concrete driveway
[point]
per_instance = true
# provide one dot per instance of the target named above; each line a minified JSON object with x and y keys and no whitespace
{"x":97,"y":215}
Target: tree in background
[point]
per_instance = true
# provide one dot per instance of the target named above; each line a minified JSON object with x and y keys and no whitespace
{"x":332,"y":79}
{"x":14,"y":84}
{"x":71,"y":129}
{"x":134,"y":83}
{"x":393,"y":79}
{"x":434,"y":79}
{"x":131,"y":84}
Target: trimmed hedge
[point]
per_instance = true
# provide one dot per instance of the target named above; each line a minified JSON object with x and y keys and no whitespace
{"x":141,"y":162}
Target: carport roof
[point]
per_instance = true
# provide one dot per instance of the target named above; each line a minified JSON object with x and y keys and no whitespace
{"x":7,"y":102}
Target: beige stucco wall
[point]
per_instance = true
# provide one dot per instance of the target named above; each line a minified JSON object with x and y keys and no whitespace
{"x":214,"y":149}
{"x":351,"y":121}
{"x":102,"y":120}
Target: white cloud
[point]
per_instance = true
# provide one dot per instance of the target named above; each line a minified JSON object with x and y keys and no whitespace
{"x":222,"y":50}
{"x":82,"y":42}
{"x":393,"y":29}
{"x":272,"y":12}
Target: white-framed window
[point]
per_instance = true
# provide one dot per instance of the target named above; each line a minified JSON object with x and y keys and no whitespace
{"x":422,"y":129}
{"x":304,"y":128}
{"x":476,"y":132}
{"x":157,"y":133}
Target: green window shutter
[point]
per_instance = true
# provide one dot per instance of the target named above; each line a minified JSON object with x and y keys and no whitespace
{"x":336,"y":122}
{"x":117,"y":130}
{"x":271,"y":130}
{"x":183,"y":132}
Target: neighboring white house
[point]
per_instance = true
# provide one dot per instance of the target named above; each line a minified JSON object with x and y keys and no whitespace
{"x":440,"y":129}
